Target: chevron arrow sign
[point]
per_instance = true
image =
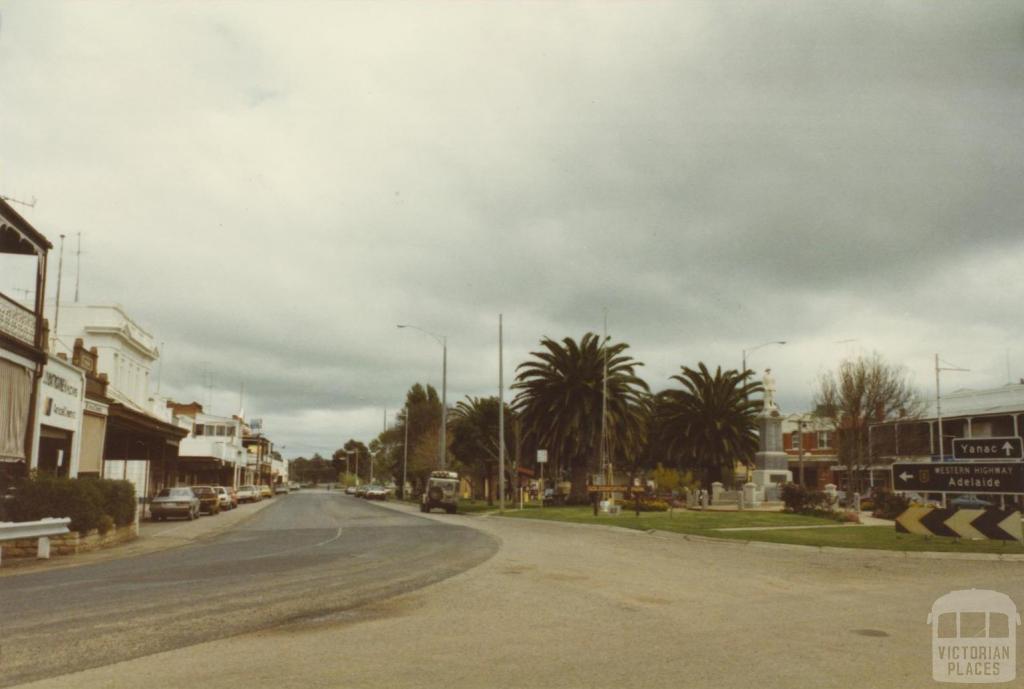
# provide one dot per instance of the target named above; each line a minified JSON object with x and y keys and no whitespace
{"x":989,"y":523}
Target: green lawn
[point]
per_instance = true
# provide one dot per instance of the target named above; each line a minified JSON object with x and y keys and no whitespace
{"x":705,"y":523}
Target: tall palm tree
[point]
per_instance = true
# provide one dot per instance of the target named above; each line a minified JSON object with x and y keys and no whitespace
{"x":560,"y":402}
{"x":710,"y":423}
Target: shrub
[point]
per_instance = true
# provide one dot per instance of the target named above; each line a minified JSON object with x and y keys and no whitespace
{"x":48,"y":496}
{"x":118,"y":499}
{"x":105,"y":525}
{"x":802,"y":500}
{"x":889,"y":505}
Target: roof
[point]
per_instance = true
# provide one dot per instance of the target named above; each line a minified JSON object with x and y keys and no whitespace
{"x":11,"y":218}
{"x":1006,"y":399}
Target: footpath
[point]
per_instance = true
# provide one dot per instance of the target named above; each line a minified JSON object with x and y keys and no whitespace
{"x":153,"y":537}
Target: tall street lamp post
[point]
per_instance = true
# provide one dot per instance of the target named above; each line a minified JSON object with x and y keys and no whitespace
{"x":443,"y":341}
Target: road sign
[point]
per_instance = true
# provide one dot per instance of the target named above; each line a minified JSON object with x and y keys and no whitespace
{"x":988,"y":523}
{"x":1009,"y":447}
{"x":542,"y":456}
{"x":958,"y":477}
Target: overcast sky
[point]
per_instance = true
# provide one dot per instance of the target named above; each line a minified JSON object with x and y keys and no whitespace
{"x":270,"y":188}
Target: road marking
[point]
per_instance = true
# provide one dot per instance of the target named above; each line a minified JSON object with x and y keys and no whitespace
{"x":330,"y":540}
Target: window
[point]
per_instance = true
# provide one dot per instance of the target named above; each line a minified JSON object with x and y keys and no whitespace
{"x":199,"y":430}
{"x":824,"y":439}
{"x":794,"y":440}
{"x":221,"y":431}
{"x":947,"y":626}
{"x":998,"y":626}
{"x":972,"y":625}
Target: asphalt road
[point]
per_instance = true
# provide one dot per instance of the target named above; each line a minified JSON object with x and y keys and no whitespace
{"x":311,"y":556}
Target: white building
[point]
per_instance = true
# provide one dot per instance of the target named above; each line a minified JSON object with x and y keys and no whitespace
{"x":56,"y":446}
{"x":127,"y":352}
{"x":213,"y":452}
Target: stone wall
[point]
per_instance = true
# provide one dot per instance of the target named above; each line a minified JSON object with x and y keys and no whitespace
{"x":71,"y":543}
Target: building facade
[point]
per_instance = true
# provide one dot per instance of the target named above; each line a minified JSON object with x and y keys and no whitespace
{"x":23,"y":251}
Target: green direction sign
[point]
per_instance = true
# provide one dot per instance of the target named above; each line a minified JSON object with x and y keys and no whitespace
{"x":958,"y":477}
{"x":1006,"y":448}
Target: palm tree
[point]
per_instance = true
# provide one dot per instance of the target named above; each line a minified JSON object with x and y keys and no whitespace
{"x":710,"y":423}
{"x":560,"y":401}
{"x":474,"y":433}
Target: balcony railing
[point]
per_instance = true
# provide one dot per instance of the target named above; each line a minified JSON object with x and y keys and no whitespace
{"x":17,"y":321}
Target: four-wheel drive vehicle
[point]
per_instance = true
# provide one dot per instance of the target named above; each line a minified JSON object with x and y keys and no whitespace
{"x":174,"y":502}
{"x":209,"y":501}
{"x":442,"y":491}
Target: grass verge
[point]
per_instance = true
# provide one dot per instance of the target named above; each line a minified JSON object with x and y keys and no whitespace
{"x":706,"y":523}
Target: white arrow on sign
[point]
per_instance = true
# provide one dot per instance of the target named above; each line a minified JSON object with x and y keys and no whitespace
{"x":1008,"y":447}
{"x":906,"y":477}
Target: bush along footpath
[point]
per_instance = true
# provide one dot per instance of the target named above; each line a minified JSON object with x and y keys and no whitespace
{"x":889,"y":505}
{"x":90,"y":503}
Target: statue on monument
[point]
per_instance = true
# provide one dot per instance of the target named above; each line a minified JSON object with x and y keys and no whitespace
{"x":769,"y":390}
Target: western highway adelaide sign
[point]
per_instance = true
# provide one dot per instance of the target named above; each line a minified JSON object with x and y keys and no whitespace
{"x":958,"y":477}
{"x":1001,"y":525}
{"x":988,"y":448}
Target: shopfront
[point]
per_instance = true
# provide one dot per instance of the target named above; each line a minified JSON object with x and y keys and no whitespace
{"x":59,"y":412}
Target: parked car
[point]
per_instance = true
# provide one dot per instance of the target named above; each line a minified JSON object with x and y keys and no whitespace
{"x":209,"y":500}
{"x":361,"y":491}
{"x":174,"y":502}
{"x":375,"y":492}
{"x":249,"y":493}
{"x":228,"y":497}
{"x":351,"y":490}
{"x":293,"y":486}
{"x":265,"y":491}
{"x":280,"y":488}
{"x":972,"y":502}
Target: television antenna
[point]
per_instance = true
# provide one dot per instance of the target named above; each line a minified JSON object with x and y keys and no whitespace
{"x":20,"y":202}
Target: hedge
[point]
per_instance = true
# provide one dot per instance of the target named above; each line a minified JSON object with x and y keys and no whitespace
{"x":85,"y":501}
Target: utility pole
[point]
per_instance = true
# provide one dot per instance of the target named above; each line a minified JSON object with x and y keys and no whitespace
{"x":501,"y":421}
{"x":405,"y":449}
{"x":938,"y":404}
{"x":56,"y":313}
{"x":605,"y":464}
{"x":78,"y":266}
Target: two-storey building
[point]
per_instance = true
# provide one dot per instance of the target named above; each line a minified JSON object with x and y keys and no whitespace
{"x":23,"y":252}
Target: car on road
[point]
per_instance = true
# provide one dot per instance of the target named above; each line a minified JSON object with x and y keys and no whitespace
{"x":350,"y":490}
{"x":971,"y":502}
{"x":249,"y":493}
{"x":280,"y":488}
{"x":375,"y":492}
{"x":228,"y":497}
{"x":293,"y":486}
{"x":174,"y":502}
{"x":361,"y":491}
{"x":442,"y":491}
{"x":265,"y":491}
{"x":209,"y":500}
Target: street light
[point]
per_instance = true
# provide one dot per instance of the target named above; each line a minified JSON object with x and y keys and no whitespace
{"x":443,"y":341}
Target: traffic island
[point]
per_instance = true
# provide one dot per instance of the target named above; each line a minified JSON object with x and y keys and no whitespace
{"x":776,"y":527}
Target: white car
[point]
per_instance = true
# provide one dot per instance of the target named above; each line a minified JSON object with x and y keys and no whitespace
{"x":249,"y":494}
{"x":224,"y":497}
